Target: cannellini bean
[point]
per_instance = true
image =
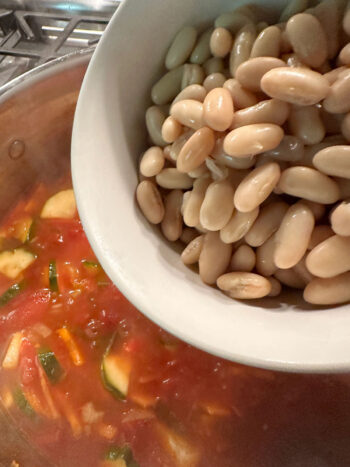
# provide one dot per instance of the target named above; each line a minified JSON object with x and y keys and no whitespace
{"x":345,"y":127}
{"x":344,"y":55}
{"x":191,"y":253}
{"x":244,"y":285}
{"x":196,"y":150}
{"x":338,"y":98}
{"x":330,"y":258}
{"x":150,"y":202}
{"x":276,"y":287}
{"x":152,"y":161}
{"x":195,"y":92}
{"x":214,"y":258}
{"x":264,"y":257}
{"x":296,"y":85}
{"x":334,"y":160}
{"x":213,"y":65}
{"x":267,"y":223}
{"x":171,"y":129}
{"x":329,"y":291}
{"x":243,"y":259}
{"x":172,"y":221}
{"x":268,"y":43}
{"x":340,"y":219}
{"x":217,"y":206}
{"x":241,"y":97}
{"x":250,"y":72}
{"x":319,"y":234}
{"x":308,"y":39}
{"x":167,"y":87}
{"x":232,"y":20}
{"x":192,"y":74}
{"x":328,"y":14}
{"x":179,"y":143}
{"x":221,"y":42}
{"x":310,"y":184}
{"x":256,"y":187}
{"x":172,"y":179}
{"x":201,"y":52}
{"x":166,"y":153}
{"x":181,"y":47}
{"x":188,"y":235}
{"x":200,"y":171}
{"x":194,"y":202}
{"x":293,"y":236}
{"x":292,"y":8}
{"x":302,"y":271}
{"x":333,"y":75}
{"x":290,"y":149}
{"x":218,"y":109}
{"x":185,"y":199}
{"x":318,"y":210}
{"x":252,"y":139}
{"x":214,"y":80}
{"x":290,"y":278}
{"x":242,"y":47}
{"x":310,"y":151}
{"x":220,"y":156}
{"x":154,"y":122}
{"x":238,"y":226}
{"x":305,"y":122}
{"x":188,"y":112}
{"x":268,"y":111}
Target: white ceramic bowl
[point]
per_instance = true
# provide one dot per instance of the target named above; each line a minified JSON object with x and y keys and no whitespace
{"x":108,"y":136}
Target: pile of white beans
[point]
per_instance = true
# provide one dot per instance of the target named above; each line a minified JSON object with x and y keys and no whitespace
{"x":250,"y":164}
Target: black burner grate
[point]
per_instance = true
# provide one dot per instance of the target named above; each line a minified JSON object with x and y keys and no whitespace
{"x":44,"y":36}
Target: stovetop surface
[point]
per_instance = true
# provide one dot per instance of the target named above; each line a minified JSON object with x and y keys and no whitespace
{"x":33,"y":32}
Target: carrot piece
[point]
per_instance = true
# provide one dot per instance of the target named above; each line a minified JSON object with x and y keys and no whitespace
{"x":72,"y":346}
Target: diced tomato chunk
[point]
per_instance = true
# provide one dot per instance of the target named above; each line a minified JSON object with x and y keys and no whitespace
{"x":26,"y":309}
{"x":28,"y":363}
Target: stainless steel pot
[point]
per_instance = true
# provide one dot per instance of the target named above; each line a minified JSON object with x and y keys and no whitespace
{"x":36,"y":116}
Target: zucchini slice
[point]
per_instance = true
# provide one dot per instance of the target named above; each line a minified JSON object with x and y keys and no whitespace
{"x":115,"y":372}
{"x":50,"y":364}
{"x":120,"y":456}
{"x":61,"y":205}
{"x":53,"y":276}
{"x":13,"y":262}
{"x":22,"y":402}
{"x":11,"y":293}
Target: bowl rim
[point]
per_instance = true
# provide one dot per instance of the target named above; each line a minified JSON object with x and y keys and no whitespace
{"x":292,"y":365}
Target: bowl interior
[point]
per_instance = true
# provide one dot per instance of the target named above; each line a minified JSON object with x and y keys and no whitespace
{"x":108,"y":136}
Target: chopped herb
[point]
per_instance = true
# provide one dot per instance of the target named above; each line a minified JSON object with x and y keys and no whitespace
{"x":50,"y":365}
{"x":22,"y":402}
{"x":53,"y":276}
{"x":91,"y":264}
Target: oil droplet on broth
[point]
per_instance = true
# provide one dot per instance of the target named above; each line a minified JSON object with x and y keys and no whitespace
{"x":16,"y":149}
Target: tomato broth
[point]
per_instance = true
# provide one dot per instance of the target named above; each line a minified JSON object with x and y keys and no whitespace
{"x":92,"y":382}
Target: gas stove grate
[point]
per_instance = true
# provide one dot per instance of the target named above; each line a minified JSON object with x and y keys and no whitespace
{"x":30,"y":38}
{"x":25,"y":34}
